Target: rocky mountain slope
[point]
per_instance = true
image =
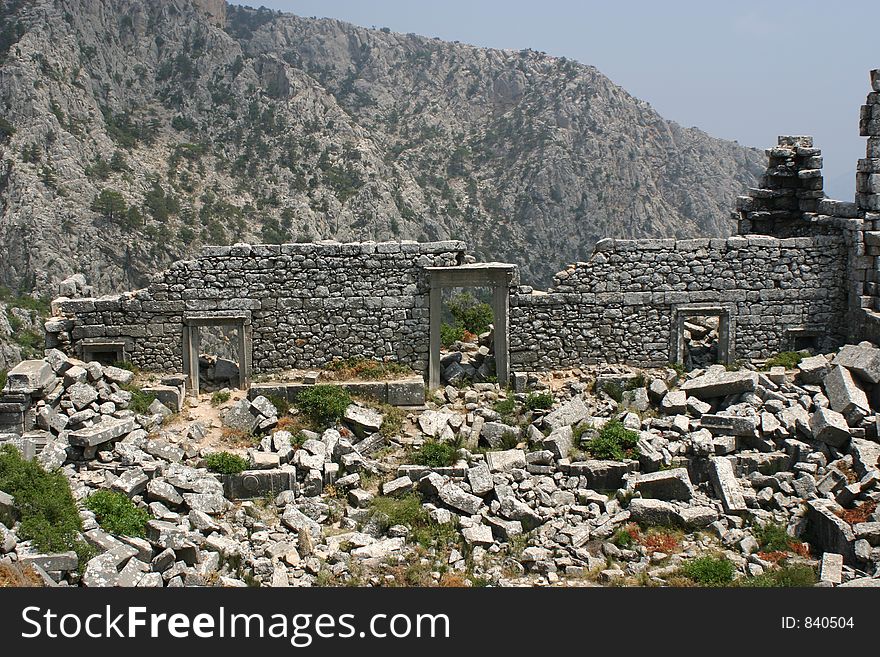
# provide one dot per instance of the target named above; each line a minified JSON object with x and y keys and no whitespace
{"x":131,"y":133}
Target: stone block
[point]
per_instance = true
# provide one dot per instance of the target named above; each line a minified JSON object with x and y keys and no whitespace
{"x":861,"y":359}
{"x":103,"y":432}
{"x":506,"y":460}
{"x":720,"y":383}
{"x":672,"y":484}
{"x":726,"y":486}
{"x":406,"y":392}
{"x":830,"y":427}
{"x":29,"y":377}
{"x":845,"y":395}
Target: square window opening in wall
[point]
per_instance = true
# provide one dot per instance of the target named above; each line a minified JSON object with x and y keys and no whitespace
{"x":701,"y":337}
{"x":106,"y":353}
{"x":804,"y":339}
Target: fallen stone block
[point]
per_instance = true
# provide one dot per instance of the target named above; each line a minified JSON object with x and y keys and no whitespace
{"x":672,"y":484}
{"x":480,"y":479}
{"x":131,"y":482}
{"x":478,"y":535}
{"x":397,"y":486}
{"x":168,"y":396}
{"x":559,"y":442}
{"x":726,"y":486}
{"x":729,"y":425}
{"x":721,"y":383}
{"x":515,"y":509}
{"x":102,"y":432}
{"x":831,"y":568}
{"x":506,"y":460}
{"x":453,"y":496}
{"x":829,"y":533}
{"x":568,"y":414}
{"x":363,"y":420}
{"x":812,"y":370}
{"x":862,"y":359}
{"x":30,"y":377}
{"x":845,"y":396}
{"x":603,"y":475}
{"x":674,"y":403}
{"x":830,"y":427}
{"x":653,"y":512}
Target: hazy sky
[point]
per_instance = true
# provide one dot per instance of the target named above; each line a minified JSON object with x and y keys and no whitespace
{"x":747,"y":70}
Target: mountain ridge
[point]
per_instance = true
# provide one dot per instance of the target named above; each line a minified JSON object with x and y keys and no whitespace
{"x":280,"y":128}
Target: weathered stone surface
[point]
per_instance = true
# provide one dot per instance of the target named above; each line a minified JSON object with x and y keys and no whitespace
{"x":569,"y":413}
{"x":29,"y":376}
{"x":726,"y":486}
{"x":453,"y":496}
{"x":720,"y":383}
{"x":672,"y":484}
{"x":829,"y":533}
{"x":82,"y":395}
{"x":480,"y":479}
{"x":603,"y":475}
{"x":559,"y":442}
{"x":830,"y":427}
{"x":478,"y":535}
{"x":813,"y":369}
{"x":845,"y":395}
{"x":131,"y":482}
{"x":397,"y":486}
{"x":514,"y":509}
{"x":363,"y":420}
{"x":653,"y":512}
{"x":105,"y":431}
{"x":862,"y":359}
{"x":506,"y":460}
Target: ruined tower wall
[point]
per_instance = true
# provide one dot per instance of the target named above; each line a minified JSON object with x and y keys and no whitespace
{"x":304,"y":304}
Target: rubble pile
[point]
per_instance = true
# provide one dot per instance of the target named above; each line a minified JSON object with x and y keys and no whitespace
{"x":469,"y":362}
{"x":721,"y":459}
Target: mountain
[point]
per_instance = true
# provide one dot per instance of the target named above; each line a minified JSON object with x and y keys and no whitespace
{"x":133,"y":132}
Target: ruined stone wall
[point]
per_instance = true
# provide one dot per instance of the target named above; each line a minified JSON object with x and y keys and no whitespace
{"x":620,"y":306}
{"x":305,"y":304}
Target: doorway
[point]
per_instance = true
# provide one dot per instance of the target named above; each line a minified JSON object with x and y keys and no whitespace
{"x":701,"y":336}
{"x":495,"y":277}
{"x":217,"y":352}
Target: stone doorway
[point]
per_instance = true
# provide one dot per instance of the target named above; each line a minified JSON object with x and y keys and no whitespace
{"x":236,"y":327}
{"x":701,"y":336}
{"x":496,"y":276}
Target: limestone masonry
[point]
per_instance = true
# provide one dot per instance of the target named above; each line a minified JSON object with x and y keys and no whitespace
{"x":803,"y":272}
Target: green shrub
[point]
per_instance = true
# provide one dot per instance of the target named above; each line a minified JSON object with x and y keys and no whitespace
{"x":709,"y":571}
{"x":140,"y":400}
{"x":323,"y":404}
{"x":226,"y":463}
{"x":408,"y":511}
{"x":540,"y":400}
{"x":220,"y":397}
{"x":614,"y":391}
{"x":471,"y":314}
{"x":787,"y":359}
{"x":787,"y":575}
{"x":614,"y":442}
{"x":772,"y":537}
{"x":392,"y":420}
{"x":505,"y":408}
{"x":125,"y":365}
{"x":435,"y":454}
{"x":49,"y":516}
{"x":117,"y":514}
{"x":450,"y":334}
{"x":280,"y":403}
{"x":3,"y":375}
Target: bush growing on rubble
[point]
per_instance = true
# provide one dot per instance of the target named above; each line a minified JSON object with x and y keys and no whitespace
{"x":323,"y":404}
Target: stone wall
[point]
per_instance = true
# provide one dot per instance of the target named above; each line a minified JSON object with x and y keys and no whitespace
{"x":303,"y":303}
{"x":621,"y":305}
